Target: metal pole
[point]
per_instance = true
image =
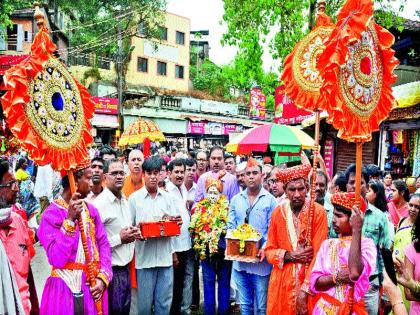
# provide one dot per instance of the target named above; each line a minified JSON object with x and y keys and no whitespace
{"x":120,"y":79}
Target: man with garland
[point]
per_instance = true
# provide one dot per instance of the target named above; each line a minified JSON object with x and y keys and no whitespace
{"x":253,"y":206}
{"x":287,"y":247}
{"x":66,"y":290}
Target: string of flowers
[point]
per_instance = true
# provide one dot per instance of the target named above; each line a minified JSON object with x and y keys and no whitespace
{"x":208,"y":224}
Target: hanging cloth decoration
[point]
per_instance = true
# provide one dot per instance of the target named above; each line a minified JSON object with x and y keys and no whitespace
{"x":47,"y":109}
{"x":301,"y":78}
{"x":357,"y":68}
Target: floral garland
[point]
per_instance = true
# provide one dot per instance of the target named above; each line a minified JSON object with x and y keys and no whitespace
{"x":208,"y":223}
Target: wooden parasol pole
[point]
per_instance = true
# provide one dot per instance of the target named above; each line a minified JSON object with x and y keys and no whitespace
{"x":358,"y":178}
{"x":321,"y":9}
{"x":313,"y":179}
{"x":89,"y":273}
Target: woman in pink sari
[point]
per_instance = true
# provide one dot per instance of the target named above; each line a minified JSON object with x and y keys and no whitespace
{"x":344,"y":262}
{"x":398,"y":206}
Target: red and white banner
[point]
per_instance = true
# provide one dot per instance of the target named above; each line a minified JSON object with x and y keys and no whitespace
{"x":105,"y":105}
{"x":286,"y":112}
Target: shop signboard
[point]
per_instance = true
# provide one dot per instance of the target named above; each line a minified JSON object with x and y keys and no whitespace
{"x":232,"y":128}
{"x":329,"y":156}
{"x":208,"y":106}
{"x":105,"y":105}
{"x":212,"y":128}
{"x":286,"y":112}
{"x":196,"y":127}
{"x":257,"y":104}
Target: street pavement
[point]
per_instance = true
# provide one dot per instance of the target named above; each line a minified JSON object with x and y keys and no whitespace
{"x":41,"y":270}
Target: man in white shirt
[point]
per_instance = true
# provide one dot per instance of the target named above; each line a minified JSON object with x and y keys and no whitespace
{"x":191,"y":278}
{"x":116,"y":217}
{"x":154,"y":256}
{"x":182,"y":243}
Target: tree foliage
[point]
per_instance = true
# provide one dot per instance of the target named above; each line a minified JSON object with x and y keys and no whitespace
{"x":282,"y":23}
{"x":7,"y":7}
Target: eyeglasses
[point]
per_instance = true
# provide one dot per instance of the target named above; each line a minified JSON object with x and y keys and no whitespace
{"x":273,"y":181}
{"x":116,"y":173}
{"x":12,"y":183}
{"x":201,"y":160}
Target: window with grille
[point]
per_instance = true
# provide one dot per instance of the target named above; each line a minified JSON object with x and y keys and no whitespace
{"x":163,"y":33}
{"x":142,"y":64}
{"x":179,"y":72}
{"x":180,"y":38}
{"x":161,"y":68}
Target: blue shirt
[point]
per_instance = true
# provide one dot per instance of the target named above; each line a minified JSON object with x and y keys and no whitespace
{"x":375,"y":227}
{"x":259,"y":218}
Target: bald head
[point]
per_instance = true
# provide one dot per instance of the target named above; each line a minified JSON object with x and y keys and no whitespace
{"x":135,"y":161}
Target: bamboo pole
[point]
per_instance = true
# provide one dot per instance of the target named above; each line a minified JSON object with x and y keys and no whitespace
{"x":88,"y":260}
{"x":313,"y":179}
{"x":358,"y":178}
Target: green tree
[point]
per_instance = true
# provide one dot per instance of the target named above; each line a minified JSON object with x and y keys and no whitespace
{"x":7,"y":7}
{"x":281,"y":24}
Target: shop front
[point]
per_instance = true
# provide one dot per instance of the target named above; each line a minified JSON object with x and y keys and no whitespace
{"x":205,"y":134}
{"x":105,"y":120}
{"x":400,"y":145}
{"x":400,"y":134}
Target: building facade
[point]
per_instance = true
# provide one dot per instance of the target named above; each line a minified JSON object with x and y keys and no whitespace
{"x":162,"y":64}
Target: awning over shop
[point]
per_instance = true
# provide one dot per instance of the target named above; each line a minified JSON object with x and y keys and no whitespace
{"x":105,"y":121}
{"x":407,"y":95}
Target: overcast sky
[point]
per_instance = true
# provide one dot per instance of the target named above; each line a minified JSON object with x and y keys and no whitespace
{"x":207,"y":14}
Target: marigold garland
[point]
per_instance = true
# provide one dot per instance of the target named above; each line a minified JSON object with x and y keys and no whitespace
{"x":208,"y":224}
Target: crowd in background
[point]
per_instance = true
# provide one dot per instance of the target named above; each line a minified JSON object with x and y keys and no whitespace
{"x":207,"y":193}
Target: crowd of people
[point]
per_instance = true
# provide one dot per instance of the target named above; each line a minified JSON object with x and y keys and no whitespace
{"x":326,"y":259}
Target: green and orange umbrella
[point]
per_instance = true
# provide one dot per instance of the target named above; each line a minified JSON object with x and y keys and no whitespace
{"x":286,"y":141}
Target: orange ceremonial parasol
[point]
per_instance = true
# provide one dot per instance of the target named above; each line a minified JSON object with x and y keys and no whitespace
{"x":303,"y":81}
{"x":48,"y":111}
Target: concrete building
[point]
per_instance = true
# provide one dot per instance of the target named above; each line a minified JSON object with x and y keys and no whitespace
{"x":162,"y":64}
{"x":17,"y":40}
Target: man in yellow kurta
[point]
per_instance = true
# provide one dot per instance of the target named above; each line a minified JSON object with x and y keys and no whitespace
{"x":287,"y":247}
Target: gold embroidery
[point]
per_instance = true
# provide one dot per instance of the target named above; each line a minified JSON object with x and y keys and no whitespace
{"x":305,"y":59}
{"x":59,"y":127}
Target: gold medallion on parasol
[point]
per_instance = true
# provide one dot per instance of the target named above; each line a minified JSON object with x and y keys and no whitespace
{"x":48,"y":112}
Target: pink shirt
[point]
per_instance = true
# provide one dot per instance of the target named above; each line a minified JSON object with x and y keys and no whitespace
{"x":19,"y":249}
{"x":414,"y":258}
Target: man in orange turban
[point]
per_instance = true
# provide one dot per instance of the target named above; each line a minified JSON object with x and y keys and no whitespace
{"x":287,"y":247}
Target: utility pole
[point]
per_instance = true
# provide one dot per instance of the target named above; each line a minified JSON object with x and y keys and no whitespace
{"x":120,"y":78}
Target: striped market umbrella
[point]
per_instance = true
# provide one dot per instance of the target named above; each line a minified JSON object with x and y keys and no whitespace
{"x":139,"y":131}
{"x":286,"y":141}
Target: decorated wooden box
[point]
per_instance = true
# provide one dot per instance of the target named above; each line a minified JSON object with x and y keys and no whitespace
{"x":242,"y":246}
{"x":160,"y":229}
